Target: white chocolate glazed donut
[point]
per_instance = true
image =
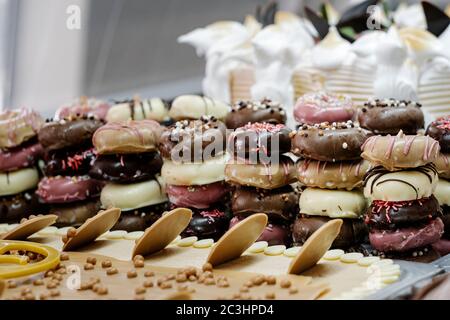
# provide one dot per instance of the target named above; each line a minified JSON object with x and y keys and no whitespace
{"x":332,"y":203}
{"x":403,"y":185}
{"x":443,"y":165}
{"x":260,"y":175}
{"x":400,"y":151}
{"x":328,"y":175}
{"x":189,"y":174}
{"x":442,"y":192}
{"x":127,"y":137}
{"x":193,"y":107}
{"x":135,"y":195}
{"x":17,"y":126}
{"x":153,"y":109}
{"x":18,"y":181}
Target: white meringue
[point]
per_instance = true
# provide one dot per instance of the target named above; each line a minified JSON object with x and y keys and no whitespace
{"x":410,"y":16}
{"x":331,"y":52}
{"x":277,"y":50}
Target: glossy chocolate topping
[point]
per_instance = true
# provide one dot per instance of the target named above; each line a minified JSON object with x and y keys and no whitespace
{"x":68,"y":132}
{"x":440,"y":131}
{"x":124,"y":168}
{"x":244,"y":112}
{"x":352,"y":232}
{"x":278,"y":204}
{"x":389,"y":214}
{"x":330,"y":142}
{"x":390,"y":116}
{"x":188,"y":139}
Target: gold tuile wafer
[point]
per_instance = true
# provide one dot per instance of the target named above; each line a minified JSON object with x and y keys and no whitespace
{"x":93,"y":228}
{"x":238,"y":239}
{"x":29,"y":227}
{"x":315,"y":247}
{"x":162,"y":232}
{"x":2,"y":287}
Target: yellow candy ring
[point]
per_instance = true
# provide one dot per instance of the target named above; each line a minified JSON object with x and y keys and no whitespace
{"x":14,"y":266}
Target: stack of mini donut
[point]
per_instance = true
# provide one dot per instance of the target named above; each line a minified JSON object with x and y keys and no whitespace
{"x":330,"y":166}
{"x":19,"y":176}
{"x":440,"y":131}
{"x":404,"y":217}
{"x":194,"y":163}
{"x":129,"y":162}
{"x":68,"y":152}
{"x":259,"y":170}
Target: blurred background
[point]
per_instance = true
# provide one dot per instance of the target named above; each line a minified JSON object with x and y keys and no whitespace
{"x":121,"y":48}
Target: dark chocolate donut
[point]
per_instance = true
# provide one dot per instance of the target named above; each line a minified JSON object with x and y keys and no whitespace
{"x":210,"y":223}
{"x":74,"y":214}
{"x":125,"y":168}
{"x":68,"y":132}
{"x":330,"y":142}
{"x":440,"y":130}
{"x":244,"y":112}
{"x":22,"y":156}
{"x":392,"y":214}
{"x":68,"y":162}
{"x":193,"y":140}
{"x":274,"y":233}
{"x":278,"y":204}
{"x":389,"y":116}
{"x":140,"y":219}
{"x":14,"y":208}
{"x":353,"y":231}
{"x":255,"y":139}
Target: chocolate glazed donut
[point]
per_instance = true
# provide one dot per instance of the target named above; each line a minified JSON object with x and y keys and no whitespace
{"x":245,"y":112}
{"x":74,"y":214}
{"x":123,"y":168}
{"x":140,"y":219}
{"x":14,"y":208}
{"x":390,"y":116}
{"x":68,"y":132}
{"x":68,"y":162}
{"x":352,"y":232}
{"x":188,"y":139}
{"x":390,"y":215}
{"x":278,"y":204}
{"x":211,"y":223}
{"x":336,"y":142}
{"x":256,"y":137}
{"x":440,"y":130}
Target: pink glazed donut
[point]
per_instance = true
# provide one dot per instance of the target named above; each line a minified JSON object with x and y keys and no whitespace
{"x":62,"y":189}
{"x":321,"y":107}
{"x":200,"y":197}
{"x":23,"y":156}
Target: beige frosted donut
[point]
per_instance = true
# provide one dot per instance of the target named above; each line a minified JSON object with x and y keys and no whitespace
{"x":332,"y":203}
{"x":193,"y":107}
{"x":189,"y":174}
{"x":402,"y":185}
{"x":329,"y":175}
{"x":17,"y":126}
{"x":400,"y":151}
{"x":442,"y":192}
{"x":18,"y":181}
{"x":260,"y":175}
{"x":127,"y":137}
{"x":135,"y":195}
{"x":443,"y":165}
{"x":153,"y":109}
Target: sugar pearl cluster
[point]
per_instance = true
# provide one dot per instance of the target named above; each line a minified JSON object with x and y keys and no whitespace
{"x":393,"y":103}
